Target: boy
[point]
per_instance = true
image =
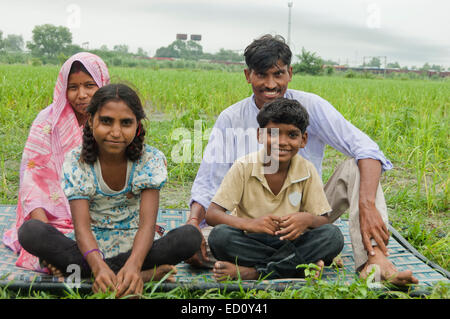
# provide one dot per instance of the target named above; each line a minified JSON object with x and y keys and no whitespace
{"x":279,"y":217}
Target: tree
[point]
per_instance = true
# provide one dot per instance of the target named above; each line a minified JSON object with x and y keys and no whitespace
{"x":309,"y":63}
{"x":1,"y":41}
{"x":48,"y":41}
{"x":375,"y":62}
{"x":141,"y":52}
{"x":13,"y":43}
{"x":393,"y":65}
{"x":189,"y":50}
{"x":227,"y":55}
{"x":426,"y":67}
{"x":437,"y":68}
{"x":121,"y":48}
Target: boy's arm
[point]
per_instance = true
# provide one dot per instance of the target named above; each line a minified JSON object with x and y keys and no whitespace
{"x":104,"y":276}
{"x":216,"y":215}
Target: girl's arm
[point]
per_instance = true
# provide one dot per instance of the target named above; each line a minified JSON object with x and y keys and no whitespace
{"x":104,"y":277}
{"x":129,"y":277}
{"x":39,"y":214}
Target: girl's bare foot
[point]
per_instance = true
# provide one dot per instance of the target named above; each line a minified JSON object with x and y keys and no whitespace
{"x":53,"y":270}
{"x":321,"y":264}
{"x":386,"y":270}
{"x":158,"y":273}
{"x":224,"y":270}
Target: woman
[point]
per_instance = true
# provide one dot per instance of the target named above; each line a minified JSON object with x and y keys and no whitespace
{"x":56,"y":130}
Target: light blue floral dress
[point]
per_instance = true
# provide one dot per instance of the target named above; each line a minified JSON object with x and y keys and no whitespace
{"x":114,"y":214}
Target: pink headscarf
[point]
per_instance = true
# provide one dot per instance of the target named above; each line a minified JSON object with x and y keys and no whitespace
{"x":54,"y":132}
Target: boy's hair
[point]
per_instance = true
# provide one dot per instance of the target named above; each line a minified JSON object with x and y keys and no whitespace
{"x":284,"y":111}
{"x":107,"y":93}
{"x":263,"y":53}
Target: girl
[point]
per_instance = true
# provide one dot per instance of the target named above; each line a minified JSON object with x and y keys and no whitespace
{"x":56,"y":130}
{"x":112,"y":183}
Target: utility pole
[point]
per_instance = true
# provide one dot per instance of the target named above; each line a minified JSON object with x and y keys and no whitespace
{"x":290,"y":3}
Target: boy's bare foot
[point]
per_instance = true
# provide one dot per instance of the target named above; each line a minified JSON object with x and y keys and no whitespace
{"x":158,"y":273}
{"x":224,"y":270}
{"x":387,"y":271}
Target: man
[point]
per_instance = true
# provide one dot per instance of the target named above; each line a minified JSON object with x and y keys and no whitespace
{"x":355,"y":183}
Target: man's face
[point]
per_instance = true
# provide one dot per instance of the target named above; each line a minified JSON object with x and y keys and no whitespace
{"x":270,"y":84}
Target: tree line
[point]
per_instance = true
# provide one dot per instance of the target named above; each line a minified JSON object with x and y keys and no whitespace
{"x":53,"y":45}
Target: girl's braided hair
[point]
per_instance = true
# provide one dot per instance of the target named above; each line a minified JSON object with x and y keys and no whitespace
{"x":107,"y":93}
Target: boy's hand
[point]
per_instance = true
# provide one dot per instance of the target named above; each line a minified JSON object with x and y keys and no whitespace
{"x":293,"y":225}
{"x":266,"y":224}
{"x":129,"y":281}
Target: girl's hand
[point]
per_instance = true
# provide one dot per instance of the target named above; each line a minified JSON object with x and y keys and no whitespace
{"x":105,"y":280}
{"x":129,"y":281}
{"x":293,"y":225}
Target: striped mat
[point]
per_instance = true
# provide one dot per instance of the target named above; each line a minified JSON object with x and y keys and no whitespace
{"x":402,"y":254}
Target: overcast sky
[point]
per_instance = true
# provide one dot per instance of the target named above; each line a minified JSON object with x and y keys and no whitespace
{"x":411,"y":32}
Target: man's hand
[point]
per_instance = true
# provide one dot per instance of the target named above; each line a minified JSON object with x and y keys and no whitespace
{"x":197,"y":214}
{"x":373,"y":227}
{"x":370,"y":221}
{"x":200,"y":258}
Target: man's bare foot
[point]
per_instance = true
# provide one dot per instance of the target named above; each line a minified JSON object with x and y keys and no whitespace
{"x":159,"y":273}
{"x":387,"y":271}
{"x":224,"y":270}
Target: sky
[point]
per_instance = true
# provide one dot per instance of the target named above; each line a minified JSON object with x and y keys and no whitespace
{"x":410,"y":32}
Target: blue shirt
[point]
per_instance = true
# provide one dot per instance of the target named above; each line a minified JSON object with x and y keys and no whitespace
{"x":234,"y":135}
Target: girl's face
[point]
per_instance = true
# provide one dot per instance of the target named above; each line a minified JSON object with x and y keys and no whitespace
{"x":80,"y":89}
{"x":114,"y":128}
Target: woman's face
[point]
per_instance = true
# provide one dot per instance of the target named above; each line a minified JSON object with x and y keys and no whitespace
{"x":80,"y":89}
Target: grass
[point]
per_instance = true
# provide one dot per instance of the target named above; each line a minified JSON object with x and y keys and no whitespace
{"x":408,"y":120}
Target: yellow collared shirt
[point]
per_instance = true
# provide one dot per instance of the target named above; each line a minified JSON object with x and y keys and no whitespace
{"x":244,"y":191}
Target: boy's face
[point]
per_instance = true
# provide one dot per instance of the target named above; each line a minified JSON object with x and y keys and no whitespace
{"x":270,"y":84}
{"x":283,"y":140}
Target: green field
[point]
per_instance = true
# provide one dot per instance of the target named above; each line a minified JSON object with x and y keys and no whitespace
{"x":407,"y":118}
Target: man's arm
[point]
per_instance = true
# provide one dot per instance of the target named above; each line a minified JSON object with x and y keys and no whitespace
{"x":198,"y":213}
{"x":371,"y":223}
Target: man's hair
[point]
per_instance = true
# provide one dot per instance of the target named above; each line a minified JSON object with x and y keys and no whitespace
{"x":284,"y":111}
{"x":264,"y":53}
